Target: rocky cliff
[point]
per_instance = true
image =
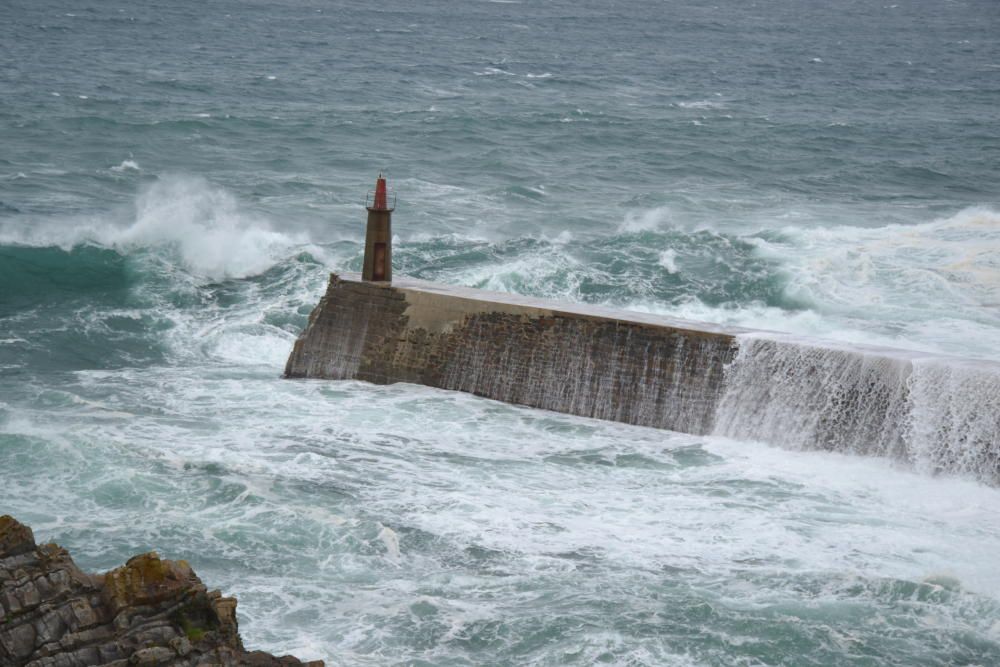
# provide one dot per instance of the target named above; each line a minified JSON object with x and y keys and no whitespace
{"x":148,"y":612}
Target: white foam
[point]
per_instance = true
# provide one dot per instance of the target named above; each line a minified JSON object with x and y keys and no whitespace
{"x":266,"y":347}
{"x":563,"y":238}
{"x":899,"y":277}
{"x":646,"y":220}
{"x":493,"y":71}
{"x":127,"y":165}
{"x":214,"y":238}
{"x":296,"y":484}
{"x":390,"y":540}
{"x":533,"y":269}
{"x":701,"y":104}
{"x":933,"y":286}
{"x":668,"y":260}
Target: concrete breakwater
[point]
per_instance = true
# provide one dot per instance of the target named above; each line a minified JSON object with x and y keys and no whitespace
{"x":592,"y":362}
{"x":936,"y":413}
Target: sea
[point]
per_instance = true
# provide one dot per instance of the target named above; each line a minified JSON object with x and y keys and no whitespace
{"x":178,"y":180}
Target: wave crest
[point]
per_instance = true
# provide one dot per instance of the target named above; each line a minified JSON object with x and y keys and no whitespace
{"x":211,"y":234}
{"x":203,"y":226}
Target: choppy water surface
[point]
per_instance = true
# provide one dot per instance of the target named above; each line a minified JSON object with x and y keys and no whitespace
{"x":177,"y":181}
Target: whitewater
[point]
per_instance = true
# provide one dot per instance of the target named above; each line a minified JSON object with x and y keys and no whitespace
{"x":177,"y":182}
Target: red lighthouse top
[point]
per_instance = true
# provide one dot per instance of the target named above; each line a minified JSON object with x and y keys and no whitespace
{"x":380,"y":202}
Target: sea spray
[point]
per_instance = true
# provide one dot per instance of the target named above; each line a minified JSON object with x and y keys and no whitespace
{"x":205,"y":225}
{"x":209,"y":232}
{"x":954,"y":417}
{"x":939,"y":414}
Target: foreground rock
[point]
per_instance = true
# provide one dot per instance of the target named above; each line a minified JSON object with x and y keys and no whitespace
{"x":148,"y":612}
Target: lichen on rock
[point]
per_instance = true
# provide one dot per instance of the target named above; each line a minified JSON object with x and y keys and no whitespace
{"x":150,"y":611}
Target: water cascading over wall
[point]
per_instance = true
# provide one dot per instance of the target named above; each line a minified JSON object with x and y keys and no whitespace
{"x":936,"y":413}
{"x":939,"y":414}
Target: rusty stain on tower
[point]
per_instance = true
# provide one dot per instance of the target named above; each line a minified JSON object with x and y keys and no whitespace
{"x":378,"y":239}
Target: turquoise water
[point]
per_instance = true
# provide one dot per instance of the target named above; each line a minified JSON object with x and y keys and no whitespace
{"x":177,"y":181}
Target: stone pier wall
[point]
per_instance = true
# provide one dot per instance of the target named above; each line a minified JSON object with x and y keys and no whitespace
{"x":939,"y":414}
{"x":593,"y":362}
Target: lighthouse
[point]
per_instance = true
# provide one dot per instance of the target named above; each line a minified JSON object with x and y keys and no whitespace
{"x":378,"y":239}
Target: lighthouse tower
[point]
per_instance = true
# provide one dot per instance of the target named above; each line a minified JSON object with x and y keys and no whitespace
{"x":378,"y":240}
